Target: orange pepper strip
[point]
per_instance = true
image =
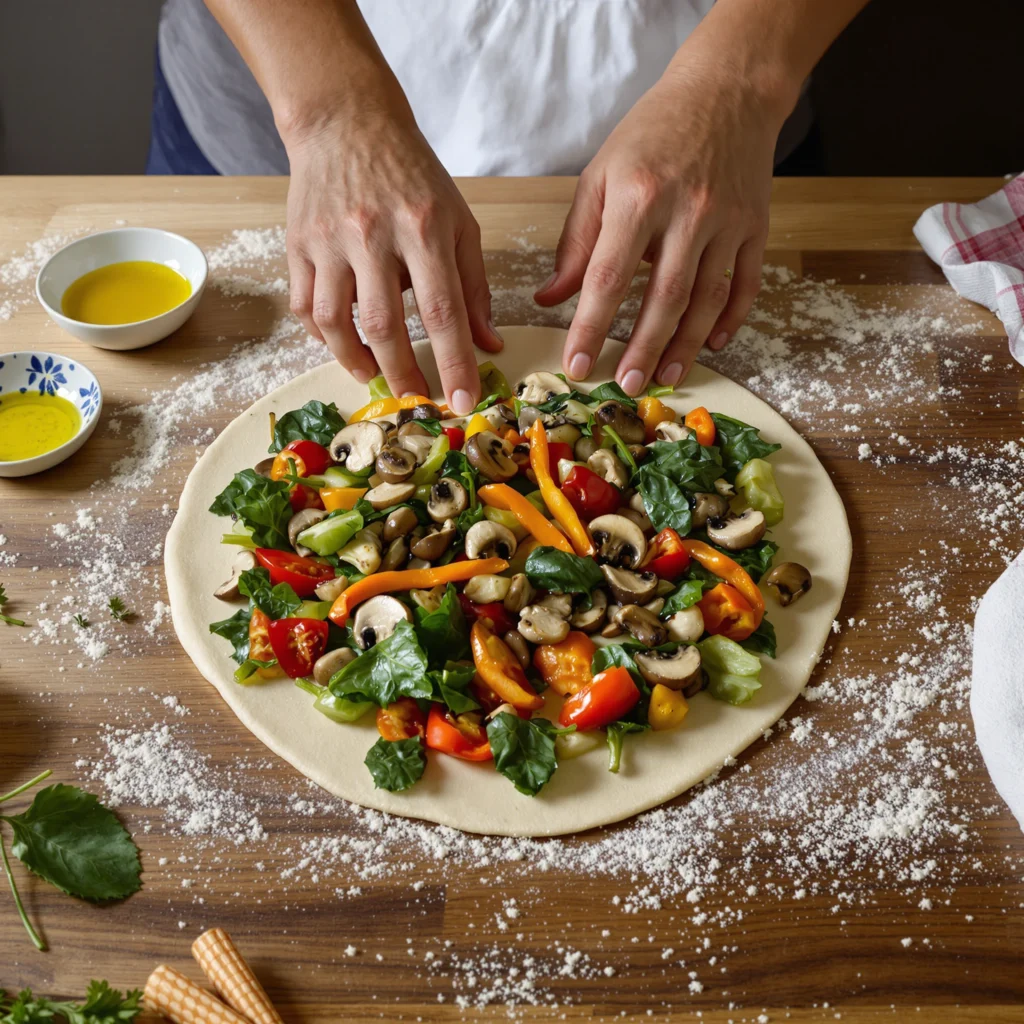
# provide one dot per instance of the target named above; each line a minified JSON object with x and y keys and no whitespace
{"x":700,"y":422}
{"x":386,"y":406}
{"x":409,"y":579}
{"x":555,"y":500}
{"x":565,"y":666}
{"x":499,"y":668}
{"x":730,"y":571}
{"x":335,"y":498}
{"x":504,"y":497}
{"x":727,"y":613}
{"x":653,"y":411}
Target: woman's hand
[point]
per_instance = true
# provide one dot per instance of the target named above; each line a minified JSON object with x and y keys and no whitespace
{"x":371,"y":211}
{"x":683,"y":181}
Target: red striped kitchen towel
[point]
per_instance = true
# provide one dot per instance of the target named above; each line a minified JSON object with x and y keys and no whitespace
{"x":980,"y":247}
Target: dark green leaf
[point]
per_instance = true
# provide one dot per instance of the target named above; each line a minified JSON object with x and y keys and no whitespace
{"x":276,"y":602}
{"x":486,"y":403}
{"x":522,"y":483}
{"x":470,"y":517}
{"x":372,"y":515}
{"x":667,"y":506}
{"x":757,"y":560}
{"x":236,"y":631}
{"x":559,"y":402}
{"x":443,"y":633}
{"x":261,"y":504}
{"x":621,"y":449}
{"x":614,"y":734}
{"x":103,"y":1005}
{"x":611,"y":390}
{"x":739,"y":443}
{"x":691,"y":465}
{"x":451,"y":686}
{"x":395,"y":667}
{"x":458,"y":467}
{"x":561,"y":572}
{"x":67,"y":837}
{"x":313,"y":422}
{"x":610,"y":655}
{"x":762,"y":640}
{"x":687,"y":594}
{"x":396,"y":764}
{"x":524,"y":750}
{"x":432,"y":427}
{"x":696,"y":571}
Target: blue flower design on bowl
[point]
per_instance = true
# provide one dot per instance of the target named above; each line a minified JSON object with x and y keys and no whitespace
{"x":89,"y":399}
{"x":48,"y":373}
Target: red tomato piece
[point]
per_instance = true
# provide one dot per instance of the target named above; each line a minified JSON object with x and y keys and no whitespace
{"x":305,"y":497}
{"x":401,"y":720}
{"x":461,"y":736}
{"x":666,"y":556}
{"x":456,"y":438}
{"x":297,"y":643}
{"x":590,"y":495}
{"x":315,"y":457}
{"x":303,"y":575}
{"x":558,"y":450}
{"x":611,"y":694}
{"x":259,"y":644}
{"x":501,"y":620}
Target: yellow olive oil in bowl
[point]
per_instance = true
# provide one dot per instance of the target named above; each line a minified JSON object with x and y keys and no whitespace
{"x":32,"y":424}
{"x":125,"y":293}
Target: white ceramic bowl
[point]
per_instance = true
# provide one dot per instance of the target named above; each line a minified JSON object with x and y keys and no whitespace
{"x":50,"y":374}
{"x":70,"y":263}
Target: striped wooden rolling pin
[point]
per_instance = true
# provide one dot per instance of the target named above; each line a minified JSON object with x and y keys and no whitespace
{"x":232,"y":977}
{"x":170,"y":993}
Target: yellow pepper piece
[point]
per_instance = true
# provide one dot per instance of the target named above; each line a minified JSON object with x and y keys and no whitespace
{"x":556,"y":501}
{"x":667,"y":709}
{"x":386,"y":407}
{"x":653,"y":411}
{"x":476,"y":424}
{"x":335,"y":498}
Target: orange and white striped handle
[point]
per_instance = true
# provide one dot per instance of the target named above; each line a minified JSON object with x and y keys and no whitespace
{"x":232,"y":977}
{"x":169,"y":993}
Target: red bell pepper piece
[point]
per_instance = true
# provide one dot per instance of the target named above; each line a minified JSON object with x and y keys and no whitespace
{"x":590,"y":495}
{"x":501,"y":620}
{"x":605,"y":699}
{"x":666,"y":556}
{"x":558,"y":450}
{"x":462,"y":736}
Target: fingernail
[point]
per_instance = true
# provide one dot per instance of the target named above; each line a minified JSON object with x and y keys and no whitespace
{"x":462,"y":402}
{"x":632,"y":382}
{"x":409,"y":394}
{"x":579,"y":366}
{"x":362,"y":376}
{"x":549,"y":282}
{"x":494,"y":331}
{"x":719,"y":341}
{"x":671,"y":375}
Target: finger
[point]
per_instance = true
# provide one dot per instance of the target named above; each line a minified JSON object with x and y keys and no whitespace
{"x":746,"y":283}
{"x":609,"y":274}
{"x":576,"y":243}
{"x":439,"y":298}
{"x":300,"y":292}
{"x":469,"y":261}
{"x":711,"y":290}
{"x":382,"y":321}
{"x":334,"y":291}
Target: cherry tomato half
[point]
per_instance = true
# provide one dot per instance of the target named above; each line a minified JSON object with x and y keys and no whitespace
{"x":315,"y":457}
{"x":590,"y":495}
{"x":461,"y":736}
{"x":611,"y":694}
{"x":303,"y":575}
{"x":666,"y":556}
{"x":401,"y":720}
{"x":260,"y":648}
{"x":297,"y":643}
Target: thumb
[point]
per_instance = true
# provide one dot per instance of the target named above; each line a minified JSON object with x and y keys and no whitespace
{"x":579,"y":236}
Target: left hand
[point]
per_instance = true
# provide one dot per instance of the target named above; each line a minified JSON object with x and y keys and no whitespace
{"x":683,"y":181}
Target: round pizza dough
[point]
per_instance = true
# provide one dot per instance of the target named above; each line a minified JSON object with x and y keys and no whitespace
{"x":474,"y":797}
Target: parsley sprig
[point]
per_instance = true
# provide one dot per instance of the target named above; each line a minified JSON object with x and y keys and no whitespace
{"x":103,"y":1005}
{"x":118,"y":609}
{"x":6,"y":618}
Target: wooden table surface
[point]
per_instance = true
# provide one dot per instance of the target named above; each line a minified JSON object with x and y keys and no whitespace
{"x":794,"y":959}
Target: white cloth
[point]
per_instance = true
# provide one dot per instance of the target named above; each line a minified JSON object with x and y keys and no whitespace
{"x":997,"y":693}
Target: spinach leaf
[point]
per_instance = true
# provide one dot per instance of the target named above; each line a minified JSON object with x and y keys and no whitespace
{"x":486,"y":403}
{"x":524,"y":750}
{"x":313,"y":422}
{"x":559,"y":402}
{"x":611,"y":390}
{"x":687,"y":594}
{"x":69,"y":839}
{"x":696,"y":571}
{"x":467,"y":518}
{"x":614,"y":734}
{"x":432,"y":427}
{"x":762,"y":640}
{"x":451,"y":687}
{"x":559,"y":571}
{"x":236,"y":631}
{"x":396,"y":764}
{"x":689,"y":463}
{"x":263,"y":505}
{"x":458,"y":467}
{"x":395,"y":667}
{"x":443,"y":633}
{"x":666,"y":505}
{"x":276,"y":602}
{"x":739,"y":443}
{"x":757,"y":560}
{"x":611,"y":655}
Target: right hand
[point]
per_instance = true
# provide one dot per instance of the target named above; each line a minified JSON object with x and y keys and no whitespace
{"x":371,"y":211}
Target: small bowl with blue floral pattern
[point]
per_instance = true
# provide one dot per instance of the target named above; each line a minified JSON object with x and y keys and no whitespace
{"x":47,"y":374}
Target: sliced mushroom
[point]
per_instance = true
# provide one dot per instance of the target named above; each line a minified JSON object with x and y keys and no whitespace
{"x":496,"y":417}
{"x":665,"y":587}
{"x":789,"y":581}
{"x":423,"y":411}
{"x":520,"y":593}
{"x":591,"y":619}
{"x":487,"y":588}
{"x":626,"y":423}
{"x":639,"y":452}
{"x":707,"y":506}
{"x":376,"y":619}
{"x":519,"y":647}
{"x":612,"y":627}
{"x":330,"y":589}
{"x":395,"y":556}
{"x":490,"y":540}
{"x":330,"y":664}
{"x":541,"y":625}
{"x":669,"y":430}
{"x":399,"y":523}
{"x":560,"y":604}
{"x":357,"y":446}
{"x":448,"y":498}
{"x":737,"y":532}
{"x":539,"y":387}
{"x":363,"y":552}
{"x":528,"y":415}
{"x":619,"y":540}
{"x":585,"y":448}
{"x":301,"y":521}
{"x":629,"y":587}
{"x":377,"y":528}
{"x":636,"y":505}
{"x":418,"y":444}
{"x":491,"y":456}
{"x":678,"y":670}
{"x":566,"y":433}
{"x":264,"y":466}
{"x":429,"y":600}
{"x":724,"y":488}
{"x":435,"y":542}
{"x":655,"y":605}
{"x":228,"y":590}
{"x":385,"y":495}
{"x":642,"y":625}
{"x":687,"y":625}
{"x":417,"y":563}
{"x":412,"y":429}
{"x":608,"y":466}
{"x":395,"y":464}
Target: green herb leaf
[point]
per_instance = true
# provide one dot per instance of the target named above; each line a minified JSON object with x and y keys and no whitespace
{"x":524,"y":750}
{"x":118,"y":610}
{"x":315,"y":421}
{"x":373,"y":515}
{"x":492,"y":381}
{"x":467,"y":518}
{"x":276,"y":602}
{"x":739,"y":443}
{"x":443,"y":633}
{"x":687,"y":594}
{"x":757,"y":560}
{"x":611,"y":390}
{"x":561,"y":572}
{"x":659,"y":390}
{"x":622,"y":450}
{"x":614,"y":734}
{"x":458,"y":467}
{"x":263,"y":506}
{"x":762,"y":640}
{"x":81,"y":622}
{"x":486,"y":403}
{"x":67,"y":837}
{"x":396,"y":764}
{"x":236,"y":631}
{"x":250,"y":667}
{"x":667,"y":506}
{"x":395,"y":667}
{"x":103,"y":1005}
{"x":451,"y":687}
{"x":690,"y":464}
